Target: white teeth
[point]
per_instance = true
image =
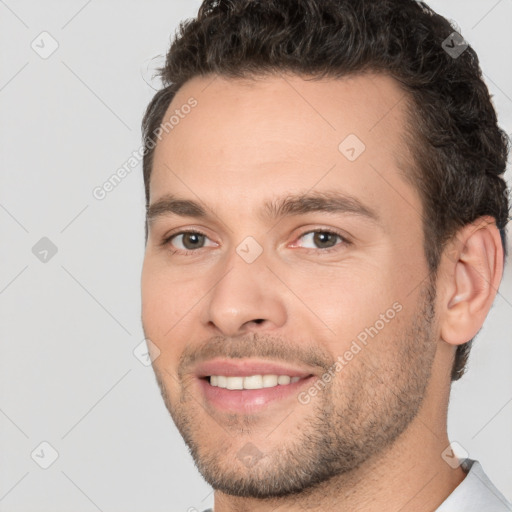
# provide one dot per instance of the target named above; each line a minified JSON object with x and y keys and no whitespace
{"x":235,"y":383}
{"x":252,"y":381}
{"x":269,"y":381}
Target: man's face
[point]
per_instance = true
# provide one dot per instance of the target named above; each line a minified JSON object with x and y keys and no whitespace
{"x":320,"y":304}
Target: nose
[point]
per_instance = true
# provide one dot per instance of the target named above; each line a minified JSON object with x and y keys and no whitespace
{"x":247,"y":297}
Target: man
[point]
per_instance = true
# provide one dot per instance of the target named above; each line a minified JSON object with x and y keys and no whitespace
{"x":325,"y":236}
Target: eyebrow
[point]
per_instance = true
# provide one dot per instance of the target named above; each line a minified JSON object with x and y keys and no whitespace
{"x":272,"y":210}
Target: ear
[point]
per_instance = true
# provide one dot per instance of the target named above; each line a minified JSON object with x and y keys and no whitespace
{"x":472,"y":267}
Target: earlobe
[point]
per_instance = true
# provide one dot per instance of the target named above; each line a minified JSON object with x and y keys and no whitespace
{"x":473,"y":270}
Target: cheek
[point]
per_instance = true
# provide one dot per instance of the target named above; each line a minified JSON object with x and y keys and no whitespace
{"x":170,"y":305}
{"x":347,"y":299}
{"x":159,"y":315}
{"x":162,"y":308}
{"x":153,"y":308}
{"x":165,"y":297}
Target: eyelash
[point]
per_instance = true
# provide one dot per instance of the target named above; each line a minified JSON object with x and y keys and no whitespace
{"x":188,"y":252}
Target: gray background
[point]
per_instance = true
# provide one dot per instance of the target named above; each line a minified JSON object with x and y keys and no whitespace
{"x":70,"y":324}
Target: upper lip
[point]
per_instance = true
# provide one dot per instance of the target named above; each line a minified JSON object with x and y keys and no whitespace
{"x":246,"y":368}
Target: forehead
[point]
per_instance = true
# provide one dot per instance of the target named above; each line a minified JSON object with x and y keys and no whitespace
{"x":274,"y":134}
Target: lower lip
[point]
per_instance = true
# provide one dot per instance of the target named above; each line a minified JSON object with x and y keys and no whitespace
{"x":250,"y":400}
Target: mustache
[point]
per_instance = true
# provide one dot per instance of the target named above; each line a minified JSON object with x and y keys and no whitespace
{"x":254,"y":346}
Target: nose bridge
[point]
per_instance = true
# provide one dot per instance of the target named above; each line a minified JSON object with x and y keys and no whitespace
{"x":245,"y":295}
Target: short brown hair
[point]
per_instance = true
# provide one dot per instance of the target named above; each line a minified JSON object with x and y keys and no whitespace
{"x":460,"y":153}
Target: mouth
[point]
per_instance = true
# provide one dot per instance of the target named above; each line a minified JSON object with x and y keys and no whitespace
{"x":248,"y":386}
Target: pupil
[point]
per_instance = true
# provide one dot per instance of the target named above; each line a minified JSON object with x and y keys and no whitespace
{"x":194,"y":238}
{"x":321,"y":238}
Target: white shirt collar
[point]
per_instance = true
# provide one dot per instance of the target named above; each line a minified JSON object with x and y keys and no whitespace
{"x":476,"y":493}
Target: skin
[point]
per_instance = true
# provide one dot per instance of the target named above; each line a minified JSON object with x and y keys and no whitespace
{"x":250,"y":141}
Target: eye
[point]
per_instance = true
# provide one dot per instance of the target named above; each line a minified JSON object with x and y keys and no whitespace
{"x":322,"y":239}
{"x":187,"y":241}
